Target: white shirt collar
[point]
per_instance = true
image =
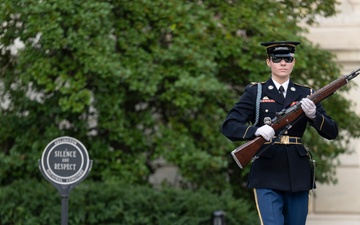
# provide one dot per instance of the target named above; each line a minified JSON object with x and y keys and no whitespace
{"x":285,"y":85}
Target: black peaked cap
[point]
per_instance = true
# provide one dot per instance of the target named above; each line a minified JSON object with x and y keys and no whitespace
{"x":280,"y":47}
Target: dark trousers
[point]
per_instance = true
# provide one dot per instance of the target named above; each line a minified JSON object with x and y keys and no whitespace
{"x":282,"y":207}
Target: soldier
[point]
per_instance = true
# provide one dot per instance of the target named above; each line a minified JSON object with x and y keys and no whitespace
{"x":281,"y":175}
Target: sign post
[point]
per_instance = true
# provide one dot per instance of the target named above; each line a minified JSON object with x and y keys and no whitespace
{"x":65,"y":163}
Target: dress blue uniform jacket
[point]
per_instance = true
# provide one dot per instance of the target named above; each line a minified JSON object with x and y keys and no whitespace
{"x":281,"y":167}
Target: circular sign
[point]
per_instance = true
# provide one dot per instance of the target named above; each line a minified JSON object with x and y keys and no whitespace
{"x":65,"y":161}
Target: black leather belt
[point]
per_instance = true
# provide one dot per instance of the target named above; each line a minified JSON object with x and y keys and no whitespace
{"x":285,"y":140}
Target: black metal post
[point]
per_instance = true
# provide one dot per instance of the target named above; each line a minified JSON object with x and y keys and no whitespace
{"x":218,"y":218}
{"x":64,"y":209}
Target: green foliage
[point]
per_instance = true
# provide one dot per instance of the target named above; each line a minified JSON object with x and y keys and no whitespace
{"x":139,"y":80}
{"x":32,"y":202}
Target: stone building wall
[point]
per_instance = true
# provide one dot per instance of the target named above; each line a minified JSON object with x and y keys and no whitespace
{"x":340,"y":204}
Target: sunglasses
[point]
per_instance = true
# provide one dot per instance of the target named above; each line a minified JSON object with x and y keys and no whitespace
{"x":287,"y":59}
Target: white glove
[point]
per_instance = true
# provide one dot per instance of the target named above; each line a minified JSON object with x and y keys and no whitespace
{"x":266,"y":132}
{"x":308,"y":107}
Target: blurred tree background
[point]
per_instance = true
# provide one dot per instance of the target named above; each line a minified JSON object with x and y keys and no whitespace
{"x":141,"y":80}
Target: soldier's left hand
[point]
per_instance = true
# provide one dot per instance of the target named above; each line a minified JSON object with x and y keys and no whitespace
{"x":308,"y":107}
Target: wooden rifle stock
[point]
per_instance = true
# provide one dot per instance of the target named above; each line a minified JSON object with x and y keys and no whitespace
{"x":246,"y":152}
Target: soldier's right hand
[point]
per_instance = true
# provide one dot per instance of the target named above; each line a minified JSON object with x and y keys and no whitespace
{"x":266,"y":132}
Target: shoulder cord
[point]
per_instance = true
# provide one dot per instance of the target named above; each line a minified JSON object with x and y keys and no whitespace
{"x":258,"y":96}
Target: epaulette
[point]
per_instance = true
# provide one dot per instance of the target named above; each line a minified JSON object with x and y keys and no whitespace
{"x":306,"y":86}
{"x":303,"y":85}
{"x":255,"y":83}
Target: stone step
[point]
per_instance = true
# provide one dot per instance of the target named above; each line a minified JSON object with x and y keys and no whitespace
{"x":333,"y":219}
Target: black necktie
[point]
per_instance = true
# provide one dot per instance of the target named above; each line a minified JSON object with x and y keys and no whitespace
{"x":282,"y":90}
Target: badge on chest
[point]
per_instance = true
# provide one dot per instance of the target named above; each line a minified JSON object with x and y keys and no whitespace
{"x":266,"y":99}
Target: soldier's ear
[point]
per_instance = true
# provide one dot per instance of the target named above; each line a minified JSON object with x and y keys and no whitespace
{"x":268,"y":62}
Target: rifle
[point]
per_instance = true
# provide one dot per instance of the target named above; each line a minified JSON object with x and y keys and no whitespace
{"x":246,"y":152}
